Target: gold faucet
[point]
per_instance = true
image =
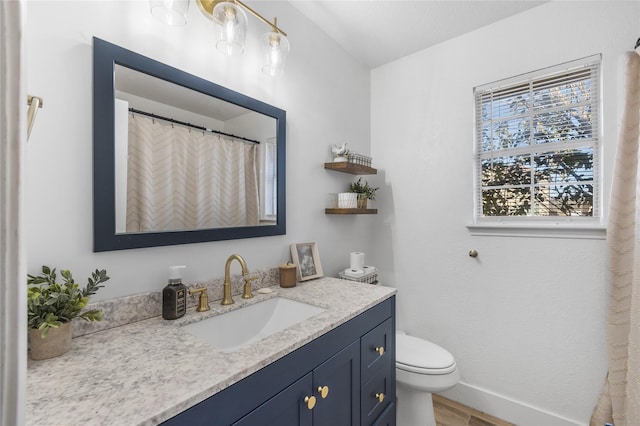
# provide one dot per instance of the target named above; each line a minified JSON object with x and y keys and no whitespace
{"x":226,"y":299}
{"x":203,"y":301}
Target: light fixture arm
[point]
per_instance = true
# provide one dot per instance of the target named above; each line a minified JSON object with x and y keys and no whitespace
{"x":273,"y":25}
{"x":206,"y":7}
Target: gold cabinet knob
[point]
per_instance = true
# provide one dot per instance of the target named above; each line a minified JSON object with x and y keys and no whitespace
{"x":380,"y":350}
{"x":323,"y":391}
{"x":380,"y":397}
{"x":311,"y":401}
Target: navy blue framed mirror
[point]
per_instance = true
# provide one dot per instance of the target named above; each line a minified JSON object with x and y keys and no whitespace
{"x":131,"y":88}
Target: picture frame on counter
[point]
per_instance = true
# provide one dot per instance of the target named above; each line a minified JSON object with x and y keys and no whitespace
{"x":307,"y":257}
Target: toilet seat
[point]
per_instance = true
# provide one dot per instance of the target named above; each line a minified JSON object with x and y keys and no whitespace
{"x":419,"y":356}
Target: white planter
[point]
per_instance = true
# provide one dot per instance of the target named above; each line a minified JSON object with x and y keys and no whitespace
{"x":347,"y":200}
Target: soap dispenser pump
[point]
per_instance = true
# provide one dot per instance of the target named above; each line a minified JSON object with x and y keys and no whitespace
{"x":174,"y":295}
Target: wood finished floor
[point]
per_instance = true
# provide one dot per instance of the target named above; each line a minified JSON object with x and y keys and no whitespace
{"x":451,"y":413}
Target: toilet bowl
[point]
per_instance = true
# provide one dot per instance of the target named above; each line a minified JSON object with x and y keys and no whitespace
{"x":422,"y":368}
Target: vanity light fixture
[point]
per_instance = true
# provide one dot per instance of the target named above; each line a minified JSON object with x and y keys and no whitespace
{"x":230,"y":21}
{"x":276,"y":48}
{"x":231,"y":27}
{"x":171,"y":12}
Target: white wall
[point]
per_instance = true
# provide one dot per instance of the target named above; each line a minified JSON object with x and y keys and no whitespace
{"x":321,"y":110}
{"x":525,"y":320}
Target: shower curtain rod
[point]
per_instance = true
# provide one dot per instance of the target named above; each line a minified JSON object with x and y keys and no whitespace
{"x":193,"y":126}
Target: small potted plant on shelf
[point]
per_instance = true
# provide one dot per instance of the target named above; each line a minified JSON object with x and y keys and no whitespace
{"x":365,"y":192}
{"x":51,"y":306}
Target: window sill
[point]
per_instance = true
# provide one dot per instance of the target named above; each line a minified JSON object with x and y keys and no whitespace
{"x":539,"y":230}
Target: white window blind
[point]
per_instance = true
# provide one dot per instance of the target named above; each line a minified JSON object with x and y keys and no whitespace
{"x":270,"y":194}
{"x":537,"y":145}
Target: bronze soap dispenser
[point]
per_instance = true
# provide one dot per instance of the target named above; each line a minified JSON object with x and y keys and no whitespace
{"x":174,"y":295}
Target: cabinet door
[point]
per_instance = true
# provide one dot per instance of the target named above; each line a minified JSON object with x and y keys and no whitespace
{"x":286,"y":408}
{"x":341,"y":375}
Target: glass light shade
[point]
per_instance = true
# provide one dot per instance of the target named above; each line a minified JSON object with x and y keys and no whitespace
{"x":171,"y":12}
{"x":275,"y":47}
{"x":231,"y":28}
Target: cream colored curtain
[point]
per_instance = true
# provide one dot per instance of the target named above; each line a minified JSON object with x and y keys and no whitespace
{"x":180,"y":178}
{"x":13,"y":303}
{"x":620,"y":399}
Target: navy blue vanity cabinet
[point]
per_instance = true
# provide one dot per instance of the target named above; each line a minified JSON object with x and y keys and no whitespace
{"x":326,"y":397}
{"x":378,"y":372}
{"x":343,"y":365}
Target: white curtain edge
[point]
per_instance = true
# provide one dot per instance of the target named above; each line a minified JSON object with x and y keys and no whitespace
{"x":13,"y":107}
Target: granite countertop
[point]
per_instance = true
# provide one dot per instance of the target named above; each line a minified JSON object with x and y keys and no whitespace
{"x":146,"y":372}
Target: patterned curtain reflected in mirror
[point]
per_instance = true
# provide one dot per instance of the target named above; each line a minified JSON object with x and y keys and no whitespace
{"x":180,"y":178}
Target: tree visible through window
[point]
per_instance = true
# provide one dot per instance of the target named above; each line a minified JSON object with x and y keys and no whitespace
{"x":537,"y":144}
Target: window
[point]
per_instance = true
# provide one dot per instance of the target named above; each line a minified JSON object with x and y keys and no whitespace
{"x":268,"y":190}
{"x":537,"y":146}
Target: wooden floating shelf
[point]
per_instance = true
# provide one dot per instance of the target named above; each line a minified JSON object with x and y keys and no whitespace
{"x":351,"y":211}
{"x":351,"y":168}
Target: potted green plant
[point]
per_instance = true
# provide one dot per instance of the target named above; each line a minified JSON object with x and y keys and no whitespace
{"x":365,"y":192}
{"x":51,"y":306}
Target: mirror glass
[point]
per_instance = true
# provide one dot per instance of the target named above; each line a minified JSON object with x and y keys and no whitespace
{"x":178,"y":159}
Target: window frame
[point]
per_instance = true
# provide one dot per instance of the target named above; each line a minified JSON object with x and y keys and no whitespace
{"x":530,"y":225}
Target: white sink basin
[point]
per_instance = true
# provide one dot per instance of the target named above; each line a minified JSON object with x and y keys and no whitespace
{"x":236,"y":329}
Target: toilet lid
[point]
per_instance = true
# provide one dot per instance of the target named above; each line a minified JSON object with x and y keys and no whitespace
{"x":420,"y":356}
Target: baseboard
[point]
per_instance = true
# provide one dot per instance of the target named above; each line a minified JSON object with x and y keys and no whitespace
{"x":505,"y":408}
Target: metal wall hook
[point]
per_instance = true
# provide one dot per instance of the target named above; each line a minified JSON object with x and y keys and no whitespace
{"x":34,"y":103}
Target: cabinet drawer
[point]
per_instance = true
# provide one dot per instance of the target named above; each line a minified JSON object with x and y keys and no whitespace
{"x":376,"y":351}
{"x":388,"y":418}
{"x":375,"y":397}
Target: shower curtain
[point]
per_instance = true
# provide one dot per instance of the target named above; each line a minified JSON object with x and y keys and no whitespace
{"x":13,"y":134}
{"x":180,"y":178}
{"x":620,"y":399}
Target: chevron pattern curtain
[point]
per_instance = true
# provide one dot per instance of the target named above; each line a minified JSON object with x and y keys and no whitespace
{"x":620,"y":399}
{"x":180,"y":178}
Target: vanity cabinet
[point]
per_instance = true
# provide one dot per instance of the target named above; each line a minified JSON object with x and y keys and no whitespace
{"x":355,"y":362}
{"x":323,"y":397}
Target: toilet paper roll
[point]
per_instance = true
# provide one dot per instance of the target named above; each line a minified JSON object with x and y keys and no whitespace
{"x":357,"y":260}
{"x":368,"y":269}
{"x":353,"y":273}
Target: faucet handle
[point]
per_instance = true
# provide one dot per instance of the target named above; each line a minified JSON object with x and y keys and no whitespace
{"x":247,"y":287}
{"x":203,"y":301}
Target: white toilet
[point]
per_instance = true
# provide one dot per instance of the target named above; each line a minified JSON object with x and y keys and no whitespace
{"x":422,"y":368}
